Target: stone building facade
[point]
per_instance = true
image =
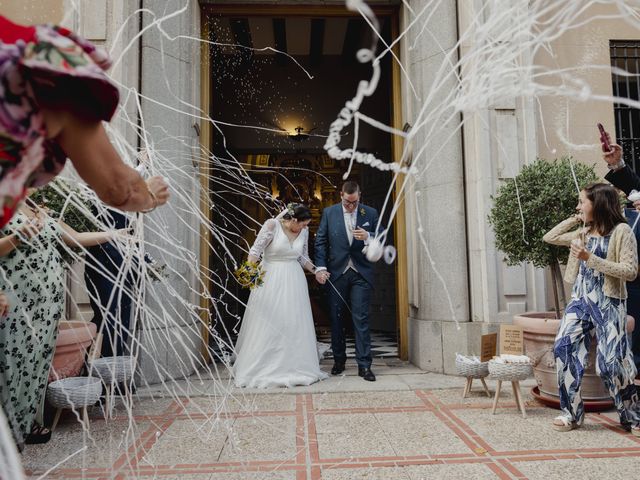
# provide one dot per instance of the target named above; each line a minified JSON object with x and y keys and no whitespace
{"x":458,"y":288}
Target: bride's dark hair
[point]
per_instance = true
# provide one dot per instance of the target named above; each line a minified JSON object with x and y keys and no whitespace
{"x":297,"y":211}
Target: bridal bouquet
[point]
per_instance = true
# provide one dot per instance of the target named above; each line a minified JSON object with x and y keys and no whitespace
{"x":249,"y":275}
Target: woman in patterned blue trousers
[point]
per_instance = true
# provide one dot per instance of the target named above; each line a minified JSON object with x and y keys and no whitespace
{"x":603,"y":257}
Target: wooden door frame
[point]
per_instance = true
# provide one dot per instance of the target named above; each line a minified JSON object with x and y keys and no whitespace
{"x":400,"y":224}
{"x":207,"y":10}
{"x":205,"y":138}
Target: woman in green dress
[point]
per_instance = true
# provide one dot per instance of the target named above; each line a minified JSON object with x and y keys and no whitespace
{"x":32,"y":276}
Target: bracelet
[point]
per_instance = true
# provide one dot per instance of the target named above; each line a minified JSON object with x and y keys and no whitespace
{"x":154,"y":198}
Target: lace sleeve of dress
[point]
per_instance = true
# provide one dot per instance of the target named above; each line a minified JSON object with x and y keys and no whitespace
{"x":304,"y":258}
{"x":264,"y":238}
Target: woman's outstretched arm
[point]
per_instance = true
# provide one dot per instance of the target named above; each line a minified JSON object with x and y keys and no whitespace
{"x":87,"y":239}
{"x":87,"y":145}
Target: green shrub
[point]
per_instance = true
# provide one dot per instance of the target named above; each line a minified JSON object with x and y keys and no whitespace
{"x":525,"y":208}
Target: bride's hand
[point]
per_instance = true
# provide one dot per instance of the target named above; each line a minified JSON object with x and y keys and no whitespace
{"x":322,"y":276}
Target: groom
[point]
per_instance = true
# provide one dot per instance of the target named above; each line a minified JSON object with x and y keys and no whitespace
{"x":344,"y":230}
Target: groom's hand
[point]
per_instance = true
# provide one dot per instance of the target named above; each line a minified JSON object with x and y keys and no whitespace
{"x":360,"y":234}
{"x":322,"y":276}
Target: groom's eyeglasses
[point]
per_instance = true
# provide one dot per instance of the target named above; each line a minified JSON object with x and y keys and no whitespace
{"x":347,"y":203}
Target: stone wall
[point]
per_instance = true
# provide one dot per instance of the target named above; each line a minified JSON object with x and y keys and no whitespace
{"x":452,"y":201}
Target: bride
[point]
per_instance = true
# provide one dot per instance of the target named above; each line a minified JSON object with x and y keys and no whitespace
{"x":276,"y":345}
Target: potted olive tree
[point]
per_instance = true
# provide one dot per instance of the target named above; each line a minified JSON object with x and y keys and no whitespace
{"x":525,"y":208}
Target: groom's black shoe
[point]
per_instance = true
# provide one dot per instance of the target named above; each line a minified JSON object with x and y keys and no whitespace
{"x":338,"y":368}
{"x":367,"y":374}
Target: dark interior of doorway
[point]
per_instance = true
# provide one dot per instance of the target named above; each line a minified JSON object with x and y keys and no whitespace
{"x":256,"y":171}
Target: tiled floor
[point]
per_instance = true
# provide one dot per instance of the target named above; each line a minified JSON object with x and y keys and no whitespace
{"x":408,"y":434}
{"x":383,"y":344}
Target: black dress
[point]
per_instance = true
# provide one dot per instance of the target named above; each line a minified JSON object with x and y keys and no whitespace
{"x":111,"y":303}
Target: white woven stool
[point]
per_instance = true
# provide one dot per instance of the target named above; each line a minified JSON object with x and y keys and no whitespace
{"x":74,"y":393}
{"x":473,"y":371}
{"x":114,"y":370}
{"x":510,"y":372}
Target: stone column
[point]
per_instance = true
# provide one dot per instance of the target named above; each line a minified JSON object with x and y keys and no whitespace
{"x":170,"y":76}
{"x":439,"y":279}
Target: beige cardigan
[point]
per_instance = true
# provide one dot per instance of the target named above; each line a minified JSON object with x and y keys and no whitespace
{"x":620,"y":265}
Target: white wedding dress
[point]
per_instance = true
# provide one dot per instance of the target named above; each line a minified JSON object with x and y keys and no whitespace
{"x":276,"y":345}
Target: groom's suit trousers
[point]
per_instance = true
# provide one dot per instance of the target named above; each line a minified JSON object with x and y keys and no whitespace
{"x":354,"y":292}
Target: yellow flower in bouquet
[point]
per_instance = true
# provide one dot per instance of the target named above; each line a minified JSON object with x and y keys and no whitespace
{"x":250,"y":275}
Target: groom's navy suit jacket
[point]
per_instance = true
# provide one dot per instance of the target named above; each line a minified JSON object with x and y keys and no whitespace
{"x":332,"y":243}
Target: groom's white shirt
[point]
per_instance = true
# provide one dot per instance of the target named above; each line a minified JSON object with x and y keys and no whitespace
{"x":350,"y":220}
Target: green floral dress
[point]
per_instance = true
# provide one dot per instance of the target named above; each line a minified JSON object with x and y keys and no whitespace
{"x":32,"y":277}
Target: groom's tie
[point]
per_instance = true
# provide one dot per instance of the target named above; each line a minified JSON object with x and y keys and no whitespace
{"x":349,"y":225}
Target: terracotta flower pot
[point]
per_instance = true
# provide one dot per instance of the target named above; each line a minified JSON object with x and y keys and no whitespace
{"x":540,"y":330}
{"x":74,"y":337}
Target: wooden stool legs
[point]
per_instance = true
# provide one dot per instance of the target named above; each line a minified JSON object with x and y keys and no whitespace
{"x":517,"y":395}
{"x":519,"y":400}
{"x":486,"y":389}
{"x":84,"y":418}
{"x":56,"y":419}
{"x":107,"y":401}
{"x":495,"y":399}
{"x":127,"y":395}
{"x":467,"y":387}
{"x":110,"y":398}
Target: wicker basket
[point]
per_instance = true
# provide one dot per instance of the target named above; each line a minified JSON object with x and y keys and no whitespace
{"x":74,"y":392}
{"x":510,"y":372}
{"x":113,"y":369}
{"x":472,"y":370}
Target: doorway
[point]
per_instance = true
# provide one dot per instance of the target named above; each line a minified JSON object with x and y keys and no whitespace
{"x":274,"y":112}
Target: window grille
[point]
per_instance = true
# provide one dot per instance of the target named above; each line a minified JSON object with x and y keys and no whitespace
{"x":625,"y":55}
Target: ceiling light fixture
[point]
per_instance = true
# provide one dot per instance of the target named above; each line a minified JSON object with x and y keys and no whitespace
{"x":299,"y":135}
